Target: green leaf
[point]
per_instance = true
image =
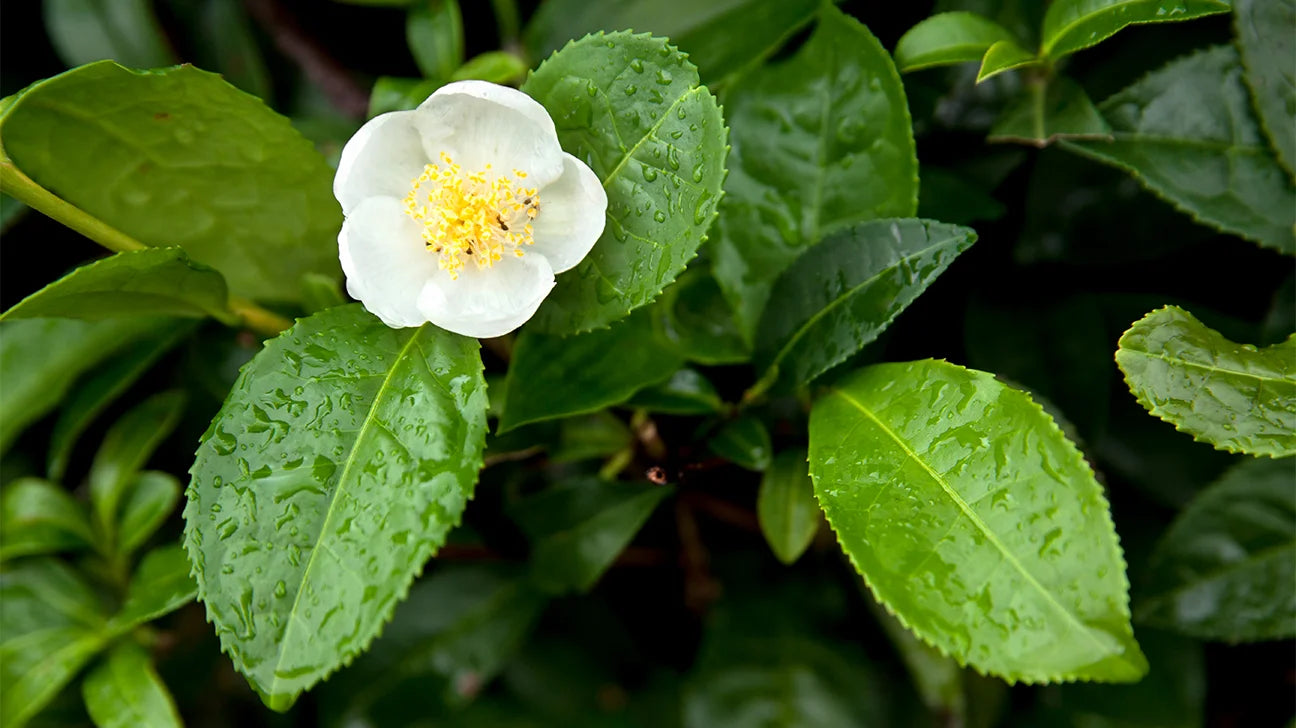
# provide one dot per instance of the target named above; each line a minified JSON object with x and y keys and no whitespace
{"x":320,"y":292}
{"x":1267,"y":49}
{"x":745,"y":442}
{"x":1186,"y":132}
{"x":552,"y":376}
{"x":947,"y":38}
{"x":595,"y":435}
{"x":1072,"y":25}
{"x":362,"y":447}
{"x":39,"y":517}
{"x":975,"y":522}
{"x":11,"y":211}
{"x":1005,"y":55}
{"x":1048,"y":111}
{"x":50,"y":627}
{"x":1233,"y":396}
{"x":434,"y":30}
{"x":126,"y":31}
{"x":845,"y":292}
{"x":180,"y":157}
{"x":1222,"y":570}
{"x":820,"y":141}
{"x":41,"y":358}
{"x":953,"y":198}
{"x":124,"y":691}
{"x":632,"y":108}
{"x":399,"y":94}
{"x":493,"y":66}
{"x":147,"y":503}
{"x":125,"y":449}
{"x":694,"y":318}
{"x":579,"y":528}
{"x":160,"y":585}
{"x":686,"y":393}
{"x":103,"y":386}
{"x":227,"y":44}
{"x":786,"y":506}
{"x":156,"y":282}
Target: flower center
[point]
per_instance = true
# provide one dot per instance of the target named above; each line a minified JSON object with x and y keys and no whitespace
{"x":478,"y":217}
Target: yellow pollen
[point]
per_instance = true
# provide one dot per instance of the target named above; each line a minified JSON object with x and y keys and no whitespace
{"x":477,"y":216}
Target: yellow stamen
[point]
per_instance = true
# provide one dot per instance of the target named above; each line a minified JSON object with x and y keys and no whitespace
{"x":476,"y":215}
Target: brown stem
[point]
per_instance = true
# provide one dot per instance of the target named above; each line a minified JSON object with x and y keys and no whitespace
{"x":700,"y":589}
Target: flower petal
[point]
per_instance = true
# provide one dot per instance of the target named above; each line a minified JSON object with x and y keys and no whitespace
{"x":490,"y":302}
{"x":385,"y":261}
{"x":482,"y":123}
{"x":573,"y":211}
{"x":382,"y":159}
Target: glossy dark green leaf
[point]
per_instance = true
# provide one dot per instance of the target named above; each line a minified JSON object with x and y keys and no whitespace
{"x":693,"y":317}
{"x":399,"y":94}
{"x":124,"y":691}
{"x":126,"y":31}
{"x":975,"y":522}
{"x":494,"y":66}
{"x":686,"y":393}
{"x":39,"y":517}
{"x":1267,"y":48}
{"x":1187,"y":133}
{"x":846,"y":290}
{"x":744,"y":441}
{"x":125,"y":449}
{"x":180,"y":157}
{"x":820,"y":141}
{"x":1058,"y":109}
{"x":1223,"y":569}
{"x":434,"y":31}
{"x":41,"y":358}
{"x":577,"y":529}
{"x":50,"y":627}
{"x":156,"y":282}
{"x":1072,"y":25}
{"x":146,"y":504}
{"x":1234,"y":396}
{"x":947,"y":38}
{"x":595,"y":435}
{"x":551,"y":376}
{"x":786,"y":506}
{"x":160,"y":585}
{"x":342,"y":458}
{"x":1004,"y":55}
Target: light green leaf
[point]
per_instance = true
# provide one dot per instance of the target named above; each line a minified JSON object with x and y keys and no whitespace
{"x":1267,"y":46}
{"x":50,"y":627}
{"x":493,"y":66}
{"x":399,"y":94}
{"x":786,"y":506}
{"x":552,"y":376}
{"x":1223,"y":569}
{"x":975,"y":522}
{"x":434,"y":31}
{"x":595,"y":435}
{"x":1048,"y":111}
{"x":180,"y":157}
{"x":124,"y":691}
{"x":686,"y":393}
{"x":1234,"y":396}
{"x":1187,"y":133}
{"x":156,"y":282}
{"x":160,"y":585}
{"x":39,"y":517}
{"x":694,"y":319}
{"x":579,"y":528}
{"x":147,"y":503}
{"x":320,"y":292}
{"x":820,"y":141}
{"x":746,"y":442}
{"x":126,"y":31}
{"x":947,"y":38}
{"x":1005,"y":55}
{"x":103,"y":386}
{"x":363,"y":444}
{"x":1072,"y":25}
{"x":632,"y":108}
{"x":125,"y":449}
{"x":41,"y":358}
{"x":846,"y":290}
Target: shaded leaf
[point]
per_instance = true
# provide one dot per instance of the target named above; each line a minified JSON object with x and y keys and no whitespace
{"x":744,"y":441}
{"x":686,"y":393}
{"x":320,"y":292}
{"x":124,"y":691}
{"x":1267,"y":47}
{"x":147,"y":503}
{"x":950,"y":197}
{"x":693,"y":317}
{"x":786,"y":507}
{"x":947,"y":38}
{"x":937,"y":677}
{"x":125,"y":450}
{"x":434,"y":31}
{"x":160,"y":585}
{"x":1234,"y":396}
{"x":399,"y":94}
{"x":1020,"y":576}
{"x":39,"y":517}
{"x":595,"y":435}
{"x":126,"y":31}
{"x":227,"y":44}
{"x":1058,"y":109}
{"x":1072,"y":25}
{"x":357,"y":448}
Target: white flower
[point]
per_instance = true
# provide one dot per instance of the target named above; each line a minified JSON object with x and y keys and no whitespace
{"x":461,"y":211}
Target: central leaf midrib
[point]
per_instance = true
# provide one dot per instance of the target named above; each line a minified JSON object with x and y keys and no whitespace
{"x":1206,"y":367}
{"x":648,"y":134}
{"x":976,"y":520}
{"x":293,"y":618}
